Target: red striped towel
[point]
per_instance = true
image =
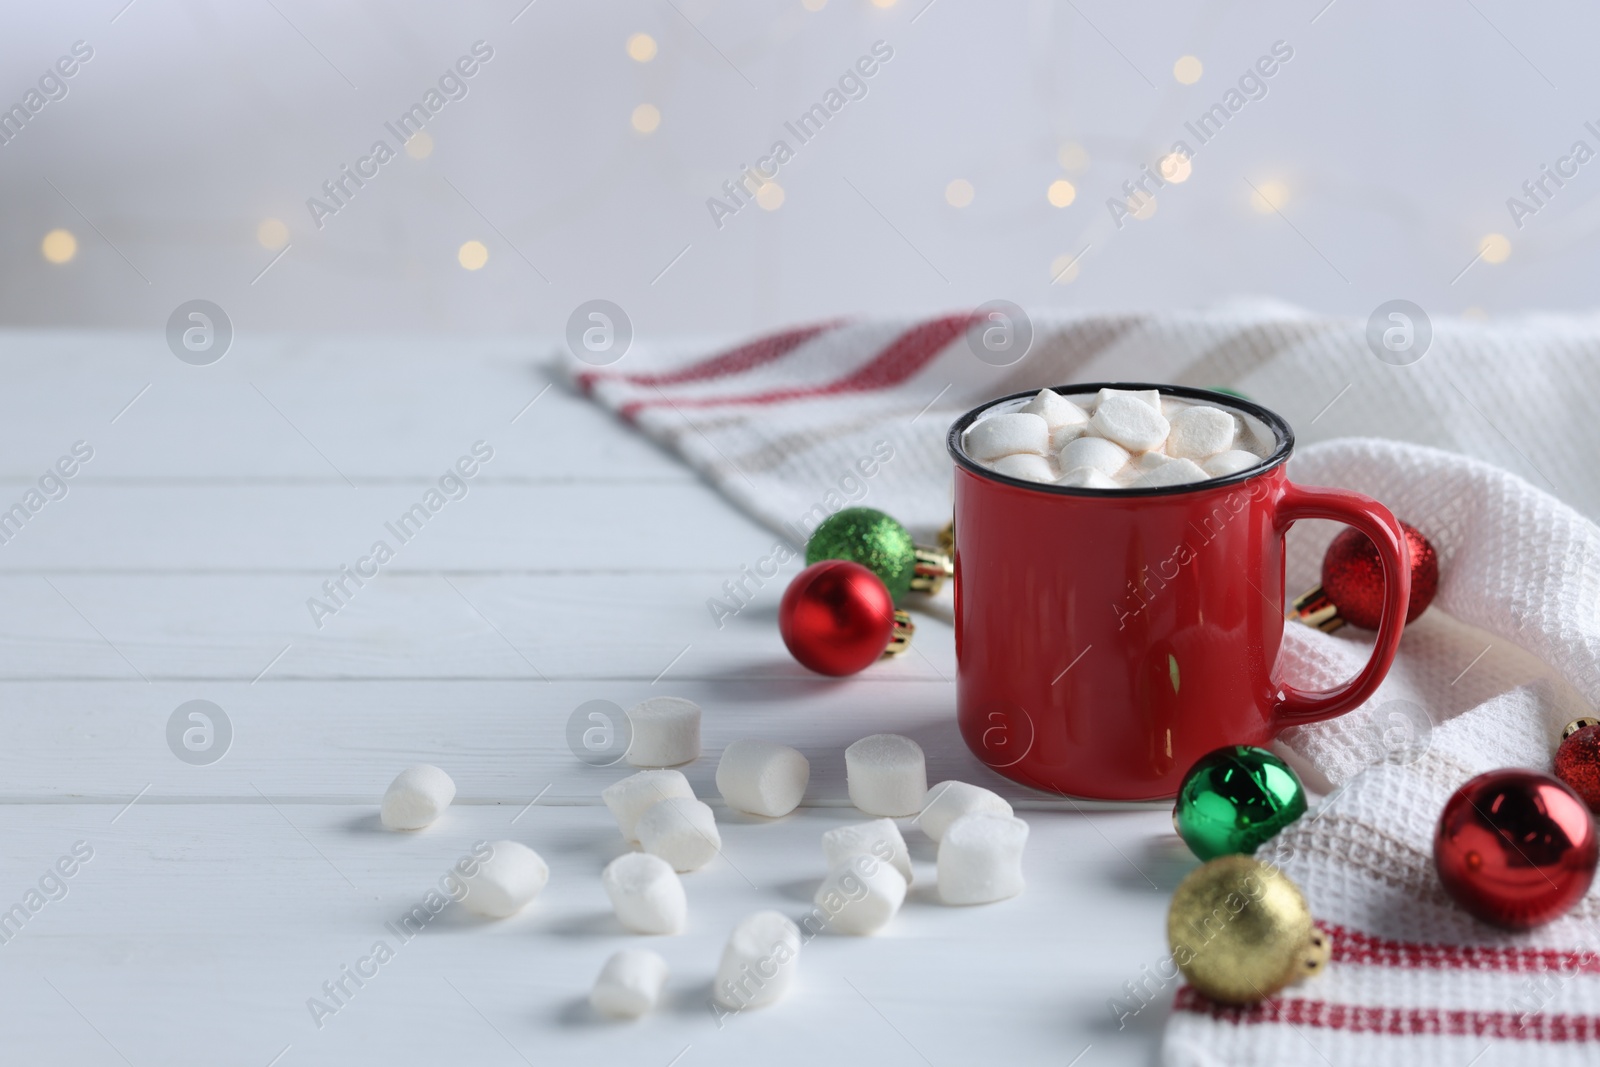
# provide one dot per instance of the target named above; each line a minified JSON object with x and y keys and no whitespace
{"x":799,"y":424}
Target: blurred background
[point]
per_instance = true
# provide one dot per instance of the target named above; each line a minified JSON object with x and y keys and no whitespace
{"x":985,"y":159}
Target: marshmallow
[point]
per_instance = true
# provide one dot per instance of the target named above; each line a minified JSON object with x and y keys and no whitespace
{"x":511,"y":877}
{"x":980,"y":858}
{"x":681,"y":831}
{"x":1151,"y":398}
{"x":1130,"y":422}
{"x":1056,"y":410}
{"x":886,"y":775}
{"x":666,"y":732}
{"x":631,"y":797}
{"x":646,"y":893}
{"x":1199,"y":432}
{"x":879,"y":838}
{"x":1107,"y":457}
{"x":762,"y":777}
{"x":1172,"y":472}
{"x":1087,"y":478}
{"x":948,"y":801}
{"x":1006,"y":435}
{"x":1024,"y":465}
{"x":629,"y":984}
{"x":860,"y":896}
{"x":759,"y":962}
{"x":1230,"y":462}
{"x":1063,"y":434}
{"x":417,"y":796}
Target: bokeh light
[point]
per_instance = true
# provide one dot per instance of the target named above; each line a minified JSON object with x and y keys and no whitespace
{"x":641,"y":48}
{"x":472,"y":255}
{"x":272,"y":234}
{"x":646,"y":117}
{"x":59,"y":246}
{"x":420,"y":146}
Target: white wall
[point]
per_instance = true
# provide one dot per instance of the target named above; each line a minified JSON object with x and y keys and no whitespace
{"x":1398,"y":131}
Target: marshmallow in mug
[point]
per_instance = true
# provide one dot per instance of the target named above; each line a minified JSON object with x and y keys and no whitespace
{"x":1119,"y":439}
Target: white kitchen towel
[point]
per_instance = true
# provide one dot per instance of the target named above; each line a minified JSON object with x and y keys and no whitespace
{"x":796,"y":426}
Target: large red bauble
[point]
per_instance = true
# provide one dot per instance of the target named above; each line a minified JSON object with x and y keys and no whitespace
{"x":1578,"y":764}
{"x":1352,"y":576}
{"x":1515,"y":848}
{"x":836,"y":617}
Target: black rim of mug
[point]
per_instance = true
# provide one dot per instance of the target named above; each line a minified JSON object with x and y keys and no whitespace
{"x":1228,"y":400}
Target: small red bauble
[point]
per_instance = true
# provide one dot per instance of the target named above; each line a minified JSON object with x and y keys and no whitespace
{"x":1578,"y":761}
{"x":1515,"y":848}
{"x":1352,"y":576}
{"x":837,"y":617}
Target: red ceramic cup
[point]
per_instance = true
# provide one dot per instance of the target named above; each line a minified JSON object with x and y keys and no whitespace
{"x":1106,"y":639}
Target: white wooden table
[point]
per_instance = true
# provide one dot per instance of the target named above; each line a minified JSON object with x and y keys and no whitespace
{"x":219,"y":898}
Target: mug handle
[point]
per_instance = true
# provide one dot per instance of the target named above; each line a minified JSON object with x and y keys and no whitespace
{"x":1296,"y":707}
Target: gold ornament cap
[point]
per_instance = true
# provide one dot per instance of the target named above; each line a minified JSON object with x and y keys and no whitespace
{"x":947,"y":538}
{"x":1315,"y":610}
{"x":1577,"y":724}
{"x":900,"y":636}
{"x":1240,"y":930}
{"x":930,"y":569}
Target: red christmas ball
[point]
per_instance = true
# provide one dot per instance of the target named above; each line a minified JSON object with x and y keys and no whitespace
{"x":1352,"y":576}
{"x":1578,"y":764}
{"x":1515,"y":848}
{"x":836,"y":617}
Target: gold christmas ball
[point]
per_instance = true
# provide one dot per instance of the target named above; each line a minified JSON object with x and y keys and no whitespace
{"x":1240,"y":931}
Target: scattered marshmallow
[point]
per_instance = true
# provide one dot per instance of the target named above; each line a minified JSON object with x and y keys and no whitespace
{"x":417,"y":796}
{"x":1199,"y":432}
{"x":1172,"y":472}
{"x":1024,"y":465}
{"x":1107,"y":457}
{"x":1130,"y":422}
{"x":633,"y":796}
{"x":759,"y":962}
{"x":861,"y":896}
{"x":948,"y":801}
{"x":1150,"y":398}
{"x":1056,"y":410}
{"x":506,"y":881}
{"x":1230,"y":462}
{"x":646,"y":893}
{"x":879,"y":838}
{"x":1087,"y":478}
{"x":886,"y":775}
{"x":762,"y":777}
{"x":629,"y":984}
{"x":666,"y":732}
{"x":682,"y":831}
{"x":980,"y":858}
{"x":1006,"y":435}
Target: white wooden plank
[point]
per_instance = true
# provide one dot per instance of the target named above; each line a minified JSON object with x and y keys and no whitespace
{"x":501,"y":741}
{"x":195,"y":935}
{"x":642,"y":526}
{"x":404,"y":625}
{"x":375,"y":410}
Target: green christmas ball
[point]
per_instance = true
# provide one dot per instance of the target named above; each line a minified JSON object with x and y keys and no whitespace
{"x":871,"y":538}
{"x":1235,"y":799}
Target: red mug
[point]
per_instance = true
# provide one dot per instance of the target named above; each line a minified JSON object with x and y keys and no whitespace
{"x":1108,"y":638}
